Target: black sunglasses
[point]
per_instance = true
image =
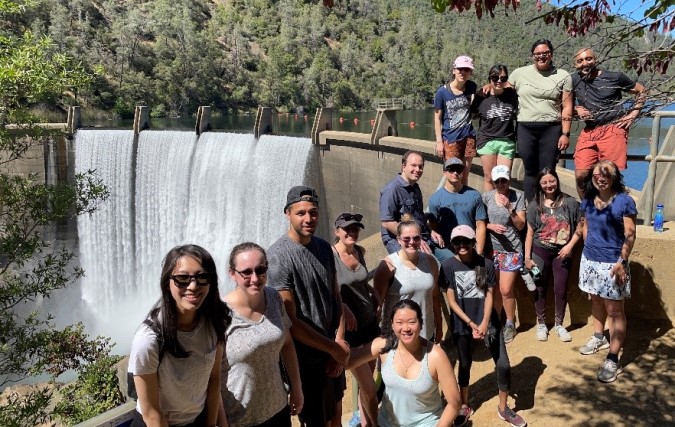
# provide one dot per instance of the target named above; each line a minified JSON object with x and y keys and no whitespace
{"x":352,"y":217}
{"x":248,"y":273}
{"x":182,"y":281}
{"x":498,"y":79}
{"x":501,"y":181}
{"x":462,"y":241}
{"x":455,"y":169}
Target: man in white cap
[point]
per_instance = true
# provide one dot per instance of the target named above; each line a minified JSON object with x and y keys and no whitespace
{"x":452,"y":205}
{"x":455,"y":136}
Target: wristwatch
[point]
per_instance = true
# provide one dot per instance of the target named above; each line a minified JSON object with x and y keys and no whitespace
{"x":567,"y":134}
{"x":622,"y":261}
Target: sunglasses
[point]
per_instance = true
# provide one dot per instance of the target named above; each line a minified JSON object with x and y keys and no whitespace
{"x":542,"y":54}
{"x":462,"y":241}
{"x":414,"y":239}
{"x":182,"y":281}
{"x":502,"y":181}
{"x":352,"y":217}
{"x":464,"y":69}
{"x":248,"y":273}
{"x":601,"y":175}
{"x":496,"y":79}
{"x":454,"y":169}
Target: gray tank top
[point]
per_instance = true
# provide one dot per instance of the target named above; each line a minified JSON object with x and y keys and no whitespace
{"x":408,"y":403}
{"x":416,"y":284}
{"x":354,"y":289}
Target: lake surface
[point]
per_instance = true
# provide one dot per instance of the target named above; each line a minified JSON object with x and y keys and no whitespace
{"x":416,"y":124}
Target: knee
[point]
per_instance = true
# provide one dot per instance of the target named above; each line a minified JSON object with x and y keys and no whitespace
{"x":615,"y":313}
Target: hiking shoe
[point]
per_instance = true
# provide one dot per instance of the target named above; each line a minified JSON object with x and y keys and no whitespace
{"x":594,"y":345}
{"x":609,"y":371}
{"x":542,"y":332}
{"x":509,"y":333}
{"x":562,"y":333}
{"x":463,"y":416}
{"x":511,"y":417}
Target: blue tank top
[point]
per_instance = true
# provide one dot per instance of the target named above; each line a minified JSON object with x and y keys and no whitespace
{"x":409,"y":403}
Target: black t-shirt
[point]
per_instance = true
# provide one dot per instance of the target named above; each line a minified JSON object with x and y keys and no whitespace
{"x":497,"y":115}
{"x":602,"y":95}
{"x":461,"y":278}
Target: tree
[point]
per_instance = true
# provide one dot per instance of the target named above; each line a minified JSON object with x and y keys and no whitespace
{"x":33,"y":72}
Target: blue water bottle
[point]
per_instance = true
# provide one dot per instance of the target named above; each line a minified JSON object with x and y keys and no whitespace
{"x":658,"y":219}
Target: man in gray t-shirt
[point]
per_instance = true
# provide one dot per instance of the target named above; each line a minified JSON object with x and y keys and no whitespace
{"x":302,"y":269}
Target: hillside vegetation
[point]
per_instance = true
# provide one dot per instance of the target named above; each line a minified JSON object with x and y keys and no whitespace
{"x":175,"y":55}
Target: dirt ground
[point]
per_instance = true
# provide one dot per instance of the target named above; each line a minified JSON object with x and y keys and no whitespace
{"x":553,"y":385}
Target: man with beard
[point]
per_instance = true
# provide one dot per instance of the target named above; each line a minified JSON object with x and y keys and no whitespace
{"x":302,"y":269}
{"x":599,"y":103}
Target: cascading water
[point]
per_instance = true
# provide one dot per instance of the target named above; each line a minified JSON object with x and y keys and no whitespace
{"x":216,"y":191}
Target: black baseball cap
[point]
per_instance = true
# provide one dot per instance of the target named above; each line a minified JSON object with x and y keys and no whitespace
{"x":301,"y":193}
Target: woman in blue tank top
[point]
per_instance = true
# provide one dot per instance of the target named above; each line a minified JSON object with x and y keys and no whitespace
{"x":412,"y":369}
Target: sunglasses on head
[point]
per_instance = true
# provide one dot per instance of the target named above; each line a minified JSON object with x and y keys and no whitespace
{"x":352,"y":217}
{"x":454,"y":169}
{"x":496,"y":79}
{"x":182,"y":281}
{"x":414,"y":239}
{"x":462,"y":241}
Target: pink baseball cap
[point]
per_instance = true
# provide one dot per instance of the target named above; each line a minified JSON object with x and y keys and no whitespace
{"x":463,"y":231}
{"x":463,"y":62}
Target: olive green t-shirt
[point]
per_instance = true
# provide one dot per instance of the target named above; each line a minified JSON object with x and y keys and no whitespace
{"x":540,"y":93}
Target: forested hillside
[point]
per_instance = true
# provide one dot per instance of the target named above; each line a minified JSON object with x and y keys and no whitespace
{"x":175,"y":55}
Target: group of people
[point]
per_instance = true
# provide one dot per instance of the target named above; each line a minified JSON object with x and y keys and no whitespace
{"x":260,"y":354}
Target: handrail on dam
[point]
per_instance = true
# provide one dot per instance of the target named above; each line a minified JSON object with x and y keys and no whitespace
{"x":390,"y":104}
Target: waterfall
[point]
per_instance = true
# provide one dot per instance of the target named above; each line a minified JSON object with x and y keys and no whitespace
{"x":215,"y":191}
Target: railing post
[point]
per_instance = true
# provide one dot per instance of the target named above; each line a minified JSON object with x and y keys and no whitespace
{"x":651,"y":171}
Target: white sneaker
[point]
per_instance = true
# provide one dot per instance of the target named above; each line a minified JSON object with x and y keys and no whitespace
{"x":542,"y":332}
{"x":562,"y":333}
{"x":594,"y":345}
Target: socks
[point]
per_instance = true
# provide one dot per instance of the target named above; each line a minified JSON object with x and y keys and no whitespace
{"x":599,"y":336}
{"x":613,"y":357}
{"x":511,"y":323}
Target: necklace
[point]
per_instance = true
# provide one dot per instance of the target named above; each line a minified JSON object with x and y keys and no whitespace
{"x":406,"y":365}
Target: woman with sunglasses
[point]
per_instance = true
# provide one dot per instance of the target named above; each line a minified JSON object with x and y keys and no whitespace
{"x":413,"y":368}
{"x":176,"y":352}
{"x":455,"y":136}
{"x":496,"y":140}
{"x":413,"y":274}
{"x":609,"y":236}
{"x":506,"y":219}
{"x":552,"y":220}
{"x":259,"y":336}
{"x":545,"y":112}
{"x":469,"y":280}
{"x":357,"y":295}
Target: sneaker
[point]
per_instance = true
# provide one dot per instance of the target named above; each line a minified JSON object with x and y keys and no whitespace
{"x":562,"y":333}
{"x":511,"y":417}
{"x":463,"y":416}
{"x":355,"y":421}
{"x":609,"y":371}
{"x":509,"y":333}
{"x":542,"y":332}
{"x":594,"y":345}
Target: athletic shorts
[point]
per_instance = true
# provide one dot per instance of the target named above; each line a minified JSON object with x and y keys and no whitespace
{"x":461,"y":149}
{"x":507,"y":261}
{"x":499,"y":147}
{"x":321,"y":392}
{"x":607,"y":142}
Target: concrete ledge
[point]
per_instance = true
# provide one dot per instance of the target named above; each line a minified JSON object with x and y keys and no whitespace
{"x":335,"y":135}
{"x":427,"y":147}
{"x":117,"y":417}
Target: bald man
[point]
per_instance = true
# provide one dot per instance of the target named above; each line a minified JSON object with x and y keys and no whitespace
{"x":598,"y":95}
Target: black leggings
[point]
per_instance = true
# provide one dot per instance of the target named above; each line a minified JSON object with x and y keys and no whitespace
{"x":538,"y":148}
{"x":498,"y":352}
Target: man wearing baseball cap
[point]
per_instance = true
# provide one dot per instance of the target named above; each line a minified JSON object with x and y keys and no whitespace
{"x":455,"y":136}
{"x":455,"y":204}
{"x":302,"y":269}
{"x":469,"y":280}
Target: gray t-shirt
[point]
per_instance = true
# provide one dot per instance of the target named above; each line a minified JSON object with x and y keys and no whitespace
{"x":252,"y":388}
{"x":509,"y":241}
{"x":308,"y":272}
{"x":553,"y":227}
{"x":182,"y":381}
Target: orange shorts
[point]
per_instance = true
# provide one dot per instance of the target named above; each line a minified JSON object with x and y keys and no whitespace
{"x":461,"y":149}
{"x":607,"y":142}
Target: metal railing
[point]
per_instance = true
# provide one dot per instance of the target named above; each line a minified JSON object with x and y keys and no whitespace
{"x":653,"y":158}
{"x":390,"y":104}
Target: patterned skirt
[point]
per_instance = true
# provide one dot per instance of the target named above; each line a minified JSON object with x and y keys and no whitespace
{"x":595,"y":279}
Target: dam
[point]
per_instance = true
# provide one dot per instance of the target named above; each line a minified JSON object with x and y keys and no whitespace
{"x":348,"y":171}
